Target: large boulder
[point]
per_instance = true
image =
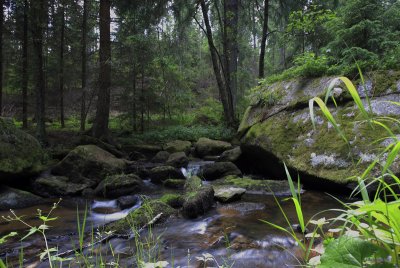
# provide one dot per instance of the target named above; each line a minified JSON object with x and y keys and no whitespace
{"x":206,"y":147}
{"x":232,"y":155}
{"x":161,"y":157}
{"x":163,"y":173}
{"x":280,"y":130}
{"x":56,"y":186}
{"x":218,"y":170}
{"x":198,"y":202}
{"x":89,"y":162}
{"x":20,"y":153}
{"x":119,"y":185}
{"x":177,"y":146}
{"x":178,"y":160}
{"x":13,"y":199}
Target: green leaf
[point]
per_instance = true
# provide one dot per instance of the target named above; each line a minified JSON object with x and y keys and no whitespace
{"x":31,"y":232}
{"x":348,"y":252}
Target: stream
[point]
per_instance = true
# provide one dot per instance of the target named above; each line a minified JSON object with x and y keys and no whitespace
{"x":232,"y":233}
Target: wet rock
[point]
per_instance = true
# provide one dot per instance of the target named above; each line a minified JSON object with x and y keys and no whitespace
{"x":13,"y":199}
{"x":226,"y":194}
{"x":119,"y":185}
{"x":141,"y":217}
{"x":192,"y":184}
{"x":146,"y":149}
{"x":178,"y":160}
{"x":198,"y":202}
{"x":160,"y":174}
{"x":89,"y":162}
{"x":207,"y":147}
{"x":242,"y":243}
{"x":20,"y":153}
{"x":240,"y":208}
{"x":231,"y":155}
{"x":106,"y":210}
{"x":174,"y":183}
{"x":212,"y":158}
{"x":128,"y":201}
{"x":161,"y":157}
{"x":219,"y":169}
{"x":174,"y":200}
{"x":178,"y":146}
{"x":137,"y":156}
{"x":56,"y":186}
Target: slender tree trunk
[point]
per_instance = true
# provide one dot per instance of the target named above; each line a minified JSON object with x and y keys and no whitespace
{"x":142,"y":100}
{"x":261,"y":68}
{"x":61,"y":64}
{"x":215,"y":61}
{"x":25,"y":76}
{"x":83,"y":72}
{"x":231,"y":20}
{"x":38,"y":22}
{"x":1,"y":55}
{"x":100,"y":127}
{"x":134,"y":74}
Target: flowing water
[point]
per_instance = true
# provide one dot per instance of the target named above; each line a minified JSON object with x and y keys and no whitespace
{"x":232,"y":233}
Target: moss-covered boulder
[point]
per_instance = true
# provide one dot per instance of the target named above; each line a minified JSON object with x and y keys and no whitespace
{"x":173,"y":200}
{"x":218,"y":170}
{"x":13,"y":199}
{"x":163,"y":173}
{"x":178,"y":160}
{"x":56,"y":186}
{"x":174,"y":183}
{"x":206,"y":147}
{"x":198,"y":202}
{"x":119,"y":185}
{"x":282,"y":131}
{"x":192,"y":184}
{"x":232,"y":155}
{"x":160,"y":157}
{"x":20,"y":153}
{"x":178,"y":146}
{"x":89,"y":162}
{"x":141,"y":217}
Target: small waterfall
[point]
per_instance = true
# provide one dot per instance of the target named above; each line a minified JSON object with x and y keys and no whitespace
{"x":106,"y":218}
{"x":193,"y":168}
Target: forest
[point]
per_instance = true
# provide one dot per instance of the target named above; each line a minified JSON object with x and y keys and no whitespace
{"x":199,"y":133}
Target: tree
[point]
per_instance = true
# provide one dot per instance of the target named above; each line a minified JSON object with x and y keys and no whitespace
{"x":61,"y":61}
{"x":100,"y":126}
{"x":261,"y":72}
{"x":1,"y":55}
{"x":25,"y":75}
{"x":38,"y":20}
{"x":84,"y":63}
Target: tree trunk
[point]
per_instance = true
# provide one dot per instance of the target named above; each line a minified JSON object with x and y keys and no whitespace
{"x":1,"y":55}
{"x":61,"y":64}
{"x":83,"y":55}
{"x":261,"y":69}
{"x":230,"y":44}
{"x":134,"y":74}
{"x":38,"y":22}
{"x":216,"y":64}
{"x":100,"y":127}
{"x":25,"y":76}
{"x":142,"y":100}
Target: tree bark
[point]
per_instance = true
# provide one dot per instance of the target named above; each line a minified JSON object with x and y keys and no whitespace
{"x":83,"y":55}
{"x":100,"y":127}
{"x":61,"y":63}
{"x":38,"y":22}
{"x":25,"y":76}
{"x":261,"y":69}
{"x":216,"y":65}
{"x":1,"y":55}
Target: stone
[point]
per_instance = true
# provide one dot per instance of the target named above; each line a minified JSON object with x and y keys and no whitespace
{"x":89,"y":162}
{"x":178,"y":146}
{"x":178,"y":160}
{"x":192,"y":183}
{"x":174,"y":200}
{"x":230,"y":155}
{"x":161,"y":157}
{"x":14,"y":199}
{"x":198,"y":202}
{"x":282,"y":132}
{"x":56,"y":186}
{"x":226,"y":194}
{"x":208,"y":147}
{"x":119,"y":185}
{"x":218,"y":170}
{"x":163,"y":173}
{"x":137,"y":156}
{"x":174,"y":184}
{"x":141,"y":217}
{"x":128,"y":201}
{"x":21,"y":155}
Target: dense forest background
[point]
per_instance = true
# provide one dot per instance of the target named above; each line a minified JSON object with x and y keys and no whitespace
{"x":184,"y":66}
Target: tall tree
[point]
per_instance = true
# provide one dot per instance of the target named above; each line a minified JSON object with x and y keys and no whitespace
{"x":261,"y":66}
{"x":61,"y":62}
{"x":100,"y":126}
{"x":38,"y":24}
{"x":84,"y":64}
{"x":1,"y":55}
{"x":25,"y":76}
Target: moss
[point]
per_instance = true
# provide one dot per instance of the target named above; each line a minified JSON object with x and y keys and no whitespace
{"x":384,"y":81}
{"x":142,"y":216}
{"x":256,"y":185}
{"x":173,"y":200}
{"x":192,"y":184}
{"x":174,"y":183}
